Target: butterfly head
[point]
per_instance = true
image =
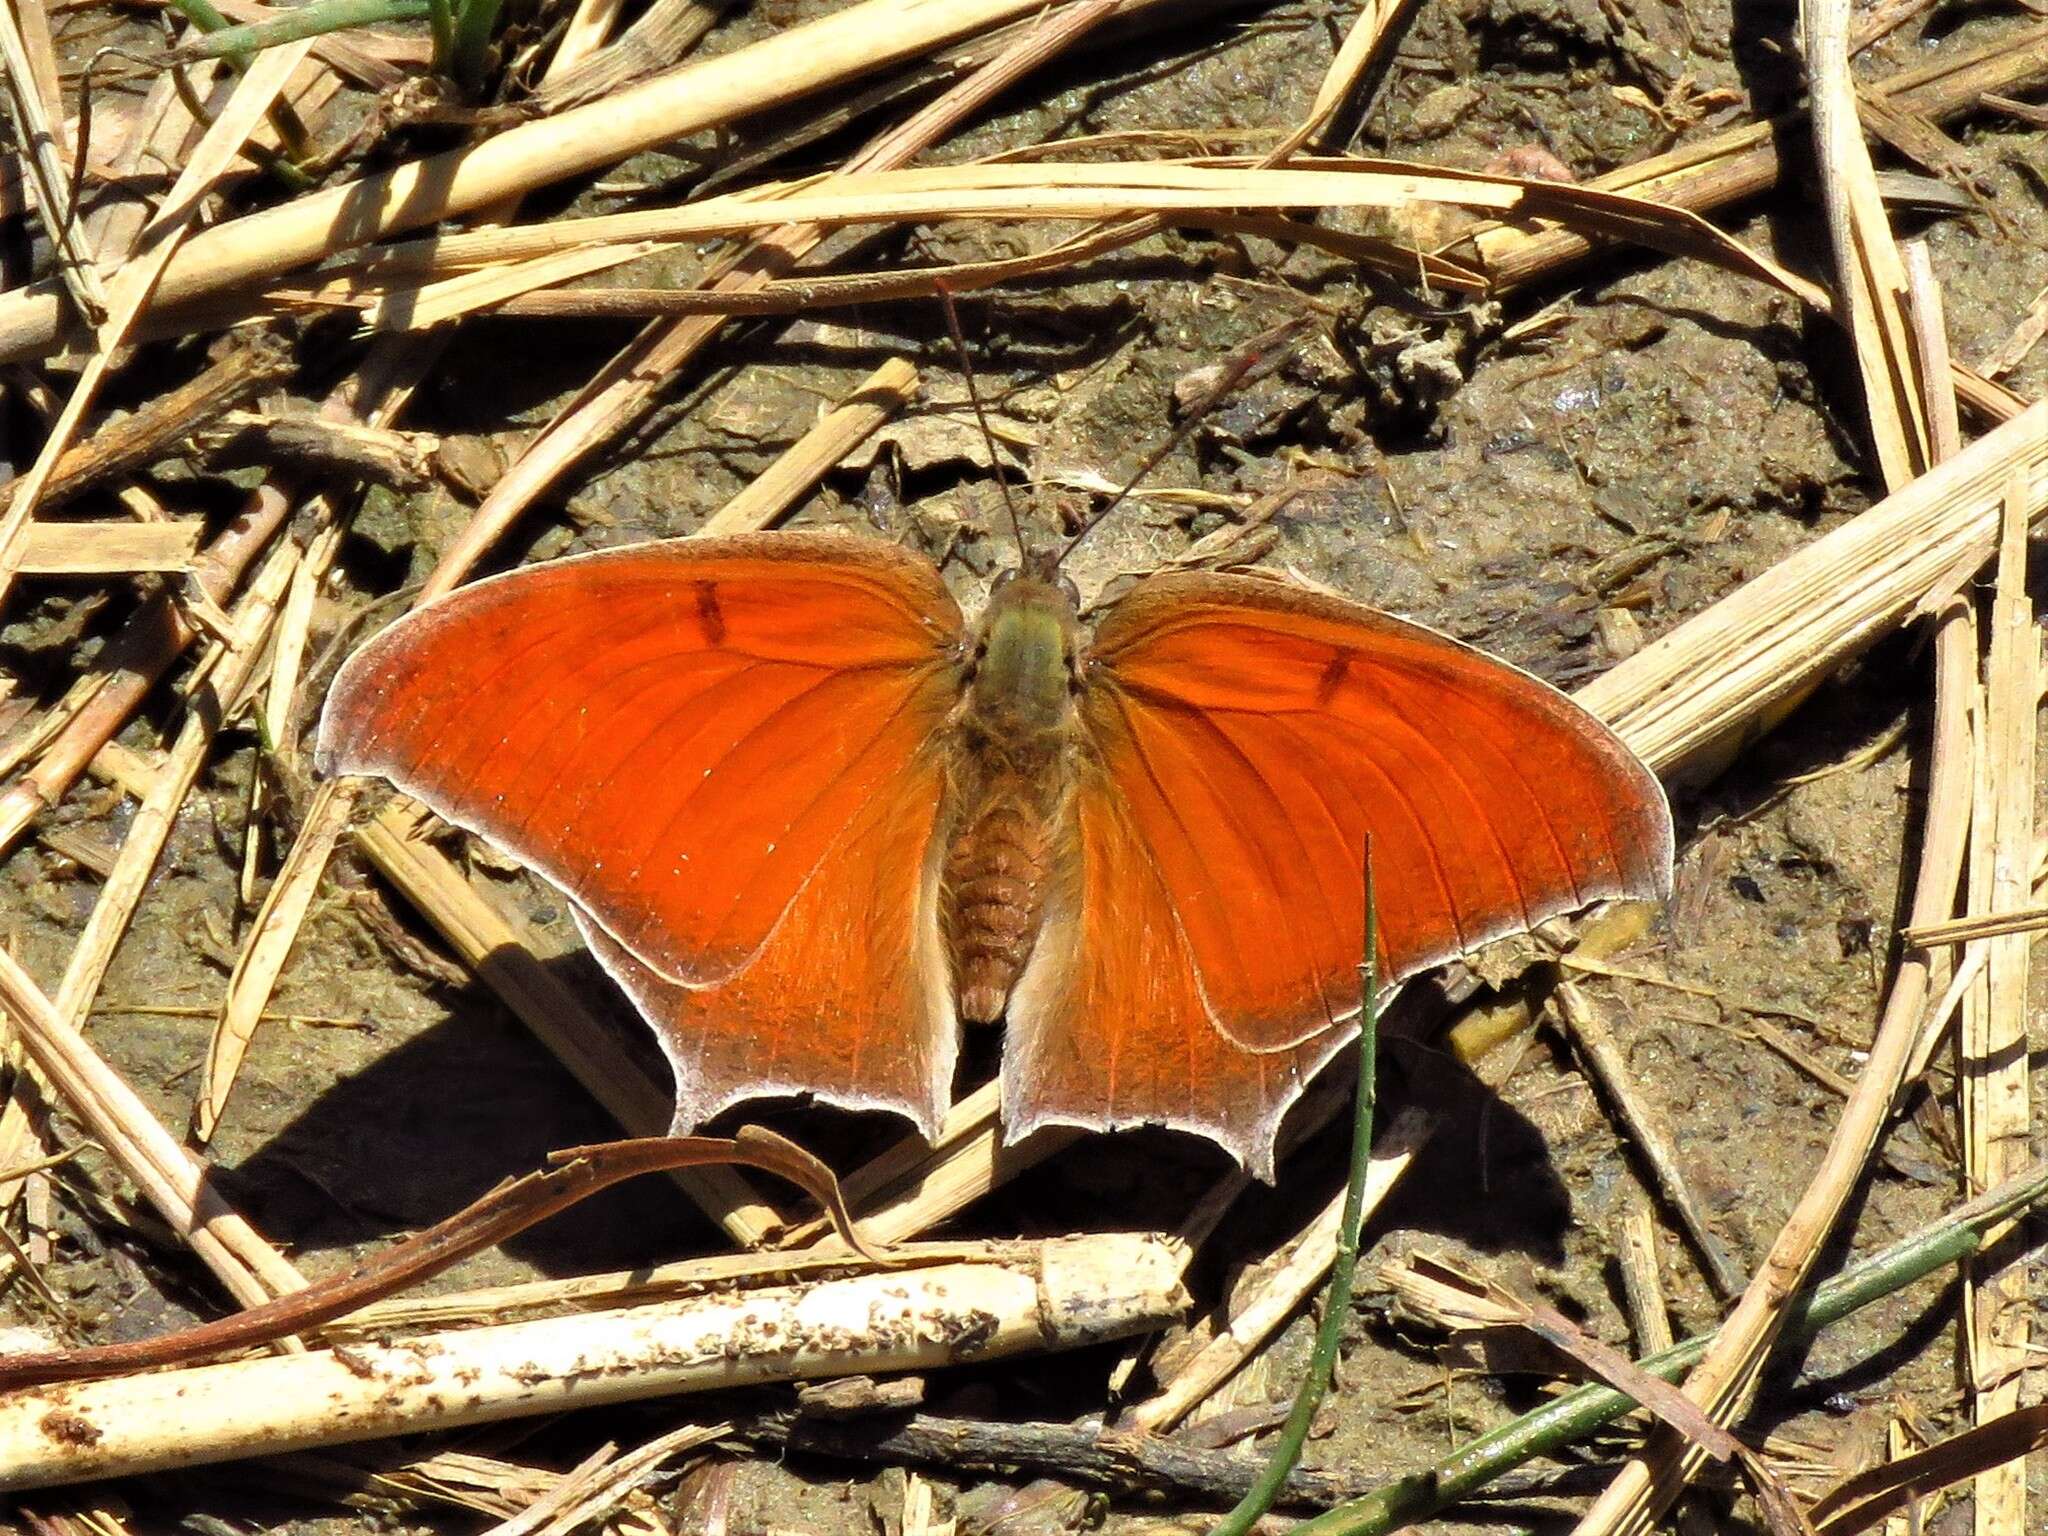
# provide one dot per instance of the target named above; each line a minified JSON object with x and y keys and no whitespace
{"x":1024,"y":665}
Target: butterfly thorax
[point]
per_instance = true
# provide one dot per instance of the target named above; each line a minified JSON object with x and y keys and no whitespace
{"x":1014,"y":735}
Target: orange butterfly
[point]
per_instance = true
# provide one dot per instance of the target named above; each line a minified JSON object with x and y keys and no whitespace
{"x":810,"y":819}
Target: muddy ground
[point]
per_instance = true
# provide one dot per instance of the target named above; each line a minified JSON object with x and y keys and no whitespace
{"x":1635,"y":438}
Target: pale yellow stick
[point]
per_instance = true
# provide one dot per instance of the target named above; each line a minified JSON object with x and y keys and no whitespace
{"x":790,"y":478}
{"x":1870,"y":275}
{"x":1060,"y":1294}
{"x":1994,"y":1074}
{"x":276,"y":930}
{"x":1354,"y":56}
{"x":108,"y":549}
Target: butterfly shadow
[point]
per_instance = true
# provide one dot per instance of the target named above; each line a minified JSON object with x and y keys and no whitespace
{"x":435,"y":1122}
{"x":1486,"y":1177}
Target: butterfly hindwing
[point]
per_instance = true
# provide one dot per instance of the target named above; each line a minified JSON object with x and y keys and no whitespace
{"x":1108,"y":1025}
{"x":849,"y":997}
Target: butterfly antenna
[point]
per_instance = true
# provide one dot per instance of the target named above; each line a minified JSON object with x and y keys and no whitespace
{"x":995,"y":458}
{"x":1259,"y":350}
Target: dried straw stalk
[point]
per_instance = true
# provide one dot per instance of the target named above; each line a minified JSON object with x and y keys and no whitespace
{"x":839,"y":46}
{"x":1642,"y":1277}
{"x":793,"y":475}
{"x":671,"y":1281}
{"x":135,"y":287}
{"x":231,"y":668}
{"x":1361,"y":46}
{"x":108,"y":548}
{"x":1993,"y":1074}
{"x":1871,"y":275}
{"x":1605,"y":1061}
{"x":1032,"y":192}
{"x":1060,"y":1294}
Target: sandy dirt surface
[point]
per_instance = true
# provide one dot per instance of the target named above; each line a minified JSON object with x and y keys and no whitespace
{"x":1554,"y":478}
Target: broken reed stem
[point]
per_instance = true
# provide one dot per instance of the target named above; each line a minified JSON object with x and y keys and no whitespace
{"x":37,"y":121}
{"x":1064,"y":1293}
{"x":104,"y":548}
{"x":1870,"y":277}
{"x":1964,"y":930}
{"x":658,"y":1282}
{"x":1642,"y":1278}
{"x":1423,"y":1494}
{"x":263,"y":954}
{"x":794,"y":473}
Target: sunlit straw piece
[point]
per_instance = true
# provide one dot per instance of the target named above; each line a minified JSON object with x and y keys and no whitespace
{"x":1059,"y":1294}
{"x":108,"y":548}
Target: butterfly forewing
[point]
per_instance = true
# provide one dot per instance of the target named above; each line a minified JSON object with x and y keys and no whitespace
{"x":692,"y":741}
{"x":1248,"y":737}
